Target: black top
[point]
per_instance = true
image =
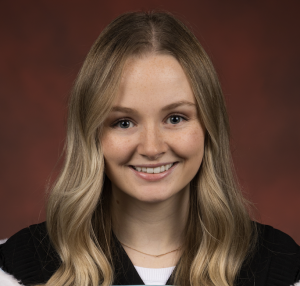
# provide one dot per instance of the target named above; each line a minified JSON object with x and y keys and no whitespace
{"x":29,"y":257}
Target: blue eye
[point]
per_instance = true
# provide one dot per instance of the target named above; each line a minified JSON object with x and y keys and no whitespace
{"x":175,"y":119}
{"x":123,"y":124}
{"x":126,"y":124}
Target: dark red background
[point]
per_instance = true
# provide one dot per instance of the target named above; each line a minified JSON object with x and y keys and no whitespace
{"x":254,"y":45}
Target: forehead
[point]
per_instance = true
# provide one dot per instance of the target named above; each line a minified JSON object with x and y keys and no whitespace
{"x":153,"y":80}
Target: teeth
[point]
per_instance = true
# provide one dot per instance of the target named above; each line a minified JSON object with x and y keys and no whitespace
{"x":156,"y":170}
{"x":150,"y":170}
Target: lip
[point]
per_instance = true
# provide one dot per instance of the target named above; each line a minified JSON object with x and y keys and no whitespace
{"x":153,"y":165}
{"x":154,"y":177}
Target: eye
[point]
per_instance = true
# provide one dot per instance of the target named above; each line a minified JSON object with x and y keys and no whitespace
{"x":175,"y":119}
{"x":123,"y":124}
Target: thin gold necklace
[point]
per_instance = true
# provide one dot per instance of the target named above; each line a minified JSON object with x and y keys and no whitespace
{"x":151,"y":254}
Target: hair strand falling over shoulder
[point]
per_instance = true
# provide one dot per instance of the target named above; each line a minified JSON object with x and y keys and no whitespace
{"x":219,"y":233}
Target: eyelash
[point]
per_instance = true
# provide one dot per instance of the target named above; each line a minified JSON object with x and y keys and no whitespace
{"x":126,"y":119}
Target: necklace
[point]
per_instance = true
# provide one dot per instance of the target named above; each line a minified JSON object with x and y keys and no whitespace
{"x":152,"y":254}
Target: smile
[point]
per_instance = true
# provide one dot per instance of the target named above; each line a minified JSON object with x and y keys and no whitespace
{"x":154,"y":174}
{"x":156,"y":170}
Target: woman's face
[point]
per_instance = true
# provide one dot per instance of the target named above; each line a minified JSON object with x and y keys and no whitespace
{"x":154,"y":123}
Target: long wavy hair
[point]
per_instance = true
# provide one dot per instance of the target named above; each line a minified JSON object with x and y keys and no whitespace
{"x":219,"y":234}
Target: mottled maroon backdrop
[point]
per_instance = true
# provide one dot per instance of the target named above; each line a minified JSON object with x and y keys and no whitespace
{"x":255,"y":46}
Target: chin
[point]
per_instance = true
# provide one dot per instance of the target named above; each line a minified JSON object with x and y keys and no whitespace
{"x":153,"y":197}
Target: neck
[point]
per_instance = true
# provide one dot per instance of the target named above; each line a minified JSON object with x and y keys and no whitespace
{"x":150,"y":227}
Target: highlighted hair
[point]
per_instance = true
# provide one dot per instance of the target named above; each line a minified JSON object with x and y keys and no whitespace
{"x":219,"y":233}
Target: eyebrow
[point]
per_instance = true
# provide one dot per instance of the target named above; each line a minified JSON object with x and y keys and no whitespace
{"x":165,"y":108}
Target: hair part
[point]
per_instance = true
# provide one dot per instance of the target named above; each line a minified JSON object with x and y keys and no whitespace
{"x":219,"y":233}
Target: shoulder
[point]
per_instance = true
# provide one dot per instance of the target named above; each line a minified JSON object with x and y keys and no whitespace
{"x":275,"y":260}
{"x":276,"y":239}
{"x":279,"y":247}
{"x":29,"y":256}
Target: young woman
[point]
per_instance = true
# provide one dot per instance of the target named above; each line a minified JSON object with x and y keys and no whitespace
{"x":147,"y":194}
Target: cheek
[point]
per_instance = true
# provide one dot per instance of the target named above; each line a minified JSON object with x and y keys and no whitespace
{"x":116,"y":149}
{"x":190,"y":144}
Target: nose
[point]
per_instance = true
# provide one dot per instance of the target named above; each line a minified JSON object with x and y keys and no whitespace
{"x":151,"y":143}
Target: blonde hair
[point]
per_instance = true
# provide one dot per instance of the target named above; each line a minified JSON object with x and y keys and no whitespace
{"x":219,"y":233}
